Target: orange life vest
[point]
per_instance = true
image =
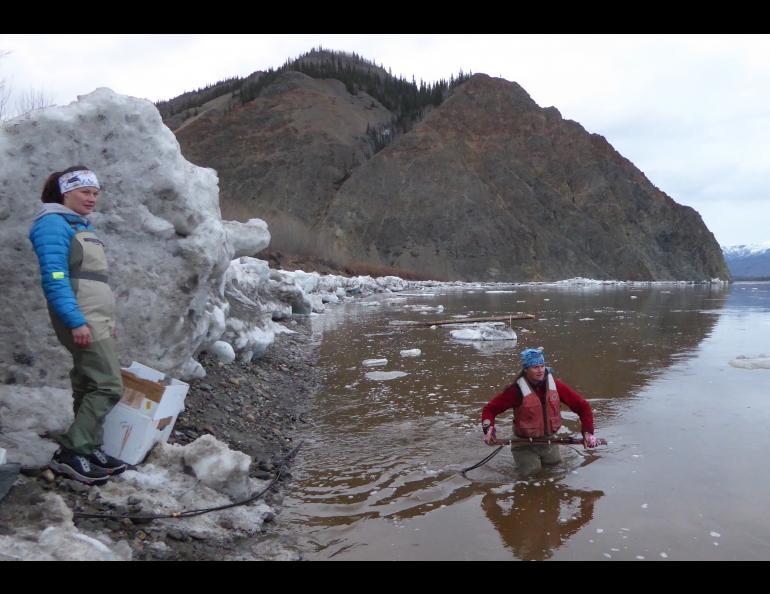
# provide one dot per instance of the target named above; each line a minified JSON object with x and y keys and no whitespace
{"x":529,"y":419}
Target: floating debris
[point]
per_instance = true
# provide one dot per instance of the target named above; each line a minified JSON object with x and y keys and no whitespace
{"x":743,"y":362}
{"x":484,"y":332}
{"x":374,"y":362}
{"x":410,"y":353}
{"x":382,"y":376}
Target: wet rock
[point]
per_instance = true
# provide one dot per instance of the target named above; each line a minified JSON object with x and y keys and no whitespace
{"x":269,"y":517}
{"x":89,"y":525}
{"x":77,"y":487}
{"x":175,"y":534}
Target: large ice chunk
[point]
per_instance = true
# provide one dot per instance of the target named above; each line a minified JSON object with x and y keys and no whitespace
{"x":744,"y":362}
{"x":484,"y":332}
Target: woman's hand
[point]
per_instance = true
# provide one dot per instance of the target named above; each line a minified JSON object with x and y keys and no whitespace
{"x":114,"y":332}
{"x":82,"y":336}
{"x":489,"y":435}
{"x":589,"y":441}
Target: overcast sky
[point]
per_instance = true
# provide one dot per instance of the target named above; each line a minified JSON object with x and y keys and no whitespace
{"x":691,"y":111}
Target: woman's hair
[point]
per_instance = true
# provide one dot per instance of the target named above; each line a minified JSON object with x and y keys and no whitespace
{"x":51,"y":192}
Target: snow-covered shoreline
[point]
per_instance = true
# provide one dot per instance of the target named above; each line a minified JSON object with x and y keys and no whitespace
{"x":283,"y":293}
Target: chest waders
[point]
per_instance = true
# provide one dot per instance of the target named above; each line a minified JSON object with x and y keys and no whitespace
{"x":96,"y":382}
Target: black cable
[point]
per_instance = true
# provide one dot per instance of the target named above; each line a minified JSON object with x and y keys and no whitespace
{"x":484,"y":461}
{"x":193,"y":512}
{"x":497,"y":451}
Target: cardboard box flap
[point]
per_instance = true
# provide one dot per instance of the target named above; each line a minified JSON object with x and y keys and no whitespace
{"x":136,"y":388}
{"x":145,"y":415}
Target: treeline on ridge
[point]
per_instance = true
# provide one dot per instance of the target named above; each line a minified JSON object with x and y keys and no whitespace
{"x":407,"y":100}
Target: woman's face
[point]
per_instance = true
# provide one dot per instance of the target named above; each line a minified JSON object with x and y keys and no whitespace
{"x":536,"y":373}
{"x":81,"y":200}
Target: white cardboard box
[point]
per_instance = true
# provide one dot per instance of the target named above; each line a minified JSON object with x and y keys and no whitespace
{"x":145,"y":415}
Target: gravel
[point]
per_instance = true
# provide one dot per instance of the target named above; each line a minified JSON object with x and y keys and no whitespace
{"x":258,"y":408}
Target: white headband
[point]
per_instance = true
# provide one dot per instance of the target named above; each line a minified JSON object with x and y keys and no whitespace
{"x":78,"y":179}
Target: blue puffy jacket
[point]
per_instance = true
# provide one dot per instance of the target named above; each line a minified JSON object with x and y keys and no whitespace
{"x":51,"y":234}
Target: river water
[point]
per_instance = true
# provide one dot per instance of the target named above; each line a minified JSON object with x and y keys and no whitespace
{"x":684,"y":476}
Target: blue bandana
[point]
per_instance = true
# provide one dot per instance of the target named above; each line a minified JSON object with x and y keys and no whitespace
{"x":532,"y":357}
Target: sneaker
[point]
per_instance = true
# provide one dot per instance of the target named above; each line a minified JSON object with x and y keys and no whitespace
{"x":75,"y":466}
{"x":106,"y":462}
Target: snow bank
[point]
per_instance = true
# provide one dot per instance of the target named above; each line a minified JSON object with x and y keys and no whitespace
{"x":587,"y":282}
{"x":223,"y":351}
{"x":28,"y":413}
{"x":202,"y":474}
{"x":219,"y":467}
{"x":51,"y":535}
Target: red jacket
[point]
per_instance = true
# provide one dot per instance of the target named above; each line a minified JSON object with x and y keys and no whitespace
{"x":511,"y":398}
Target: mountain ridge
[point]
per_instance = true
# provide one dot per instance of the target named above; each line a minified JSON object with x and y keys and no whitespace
{"x":483,"y":185}
{"x":748,"y":261}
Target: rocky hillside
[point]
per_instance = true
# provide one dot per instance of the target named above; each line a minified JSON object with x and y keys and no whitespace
{"x":486,"y":186}
{"x":287,"y":152}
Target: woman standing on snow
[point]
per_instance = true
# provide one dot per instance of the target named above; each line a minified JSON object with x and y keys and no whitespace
{"x":73,"y":270}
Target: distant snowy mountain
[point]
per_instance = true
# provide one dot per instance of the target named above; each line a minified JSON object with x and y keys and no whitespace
{"x":748,"y":261}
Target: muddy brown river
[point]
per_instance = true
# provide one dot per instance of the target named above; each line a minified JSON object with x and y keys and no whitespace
{"x":685,"y":475}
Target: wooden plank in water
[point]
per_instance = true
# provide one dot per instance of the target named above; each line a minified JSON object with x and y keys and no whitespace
{"x":514,"y":316}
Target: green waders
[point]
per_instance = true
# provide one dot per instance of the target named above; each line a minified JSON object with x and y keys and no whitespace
{"x":531,"y":458}
{"x":97,"y":385}
{"x":96,"y":389}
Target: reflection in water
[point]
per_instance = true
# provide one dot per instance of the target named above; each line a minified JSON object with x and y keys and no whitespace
{"x":389,"y":451}
{"x":749,"y":297}
{"x":536,"y":516}
{"x":489,"y":347}
{"x":534,"y":521}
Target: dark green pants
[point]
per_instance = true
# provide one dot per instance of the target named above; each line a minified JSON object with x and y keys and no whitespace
{"x":96,"y":388}
{"x":531,"y":458}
